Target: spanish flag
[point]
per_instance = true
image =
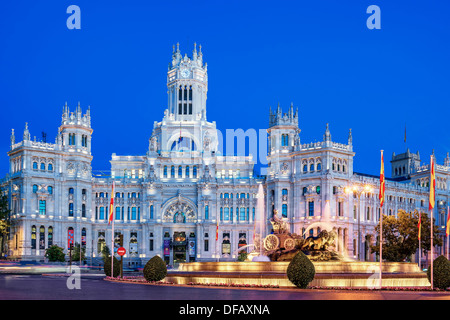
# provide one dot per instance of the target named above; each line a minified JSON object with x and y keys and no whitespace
{"x":432,"y":184}
{"x":447,"y":230}
{"x":217,"y":230}
{"x":111,"y":206}
{"x":419,"y":225}
{"x":382,"y":181}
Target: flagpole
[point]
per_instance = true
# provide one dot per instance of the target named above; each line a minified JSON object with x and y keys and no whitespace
{"x":111,"y":217}
{"x":381,"y":196}
{"x":112,"y":248}
{"x":420,"y":241}
{"x":447,"y":228}
{"x":431,"y":207}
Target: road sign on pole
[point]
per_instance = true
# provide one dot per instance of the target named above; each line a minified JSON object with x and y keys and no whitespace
{"x":121,"y":251}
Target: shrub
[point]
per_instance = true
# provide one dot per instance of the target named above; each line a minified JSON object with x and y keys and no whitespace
{"x":441,"y":273}
{"x":155,"y":269}
{"x":116,"y":267}
{"x":55,"y":253}
{"x":301,"y":270}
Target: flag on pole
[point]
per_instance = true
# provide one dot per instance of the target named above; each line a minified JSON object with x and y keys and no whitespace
{"x":431,"y":207}
{"x":447,"y":230}
{"x":381,"y":196}
{"x":382,"y":182}
{"x":432,"y":185}
{"x":419,"y":226}
{"x":217,"y":230}
{"x":111,"y":206}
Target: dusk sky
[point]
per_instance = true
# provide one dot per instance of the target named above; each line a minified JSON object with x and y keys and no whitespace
{"x":318,"y":55}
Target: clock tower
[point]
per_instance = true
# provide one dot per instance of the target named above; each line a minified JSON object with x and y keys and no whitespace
{"x":184,"y":126}
{"x":187,"y":84}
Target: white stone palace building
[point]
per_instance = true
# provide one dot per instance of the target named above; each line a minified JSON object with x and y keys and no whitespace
{"x":168,"y":200}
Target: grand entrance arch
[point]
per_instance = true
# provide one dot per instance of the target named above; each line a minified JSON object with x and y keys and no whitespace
{"x":179,"y":218}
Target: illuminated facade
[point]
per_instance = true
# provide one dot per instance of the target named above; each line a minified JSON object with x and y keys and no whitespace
{"x":168,"y":201}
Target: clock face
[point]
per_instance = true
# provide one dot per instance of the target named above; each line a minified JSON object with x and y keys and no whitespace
{"x":185,"y":73}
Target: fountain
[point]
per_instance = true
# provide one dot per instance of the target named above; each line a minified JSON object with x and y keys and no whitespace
{"x":271,"y":255}
{"x":258,"y":254}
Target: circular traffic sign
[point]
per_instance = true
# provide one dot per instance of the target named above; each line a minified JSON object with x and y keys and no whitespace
{"x":121,"y":251}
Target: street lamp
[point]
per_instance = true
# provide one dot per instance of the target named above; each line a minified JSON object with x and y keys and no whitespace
{"x":357,"y":190}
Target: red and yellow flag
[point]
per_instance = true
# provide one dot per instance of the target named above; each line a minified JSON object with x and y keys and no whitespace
{"x":111,"y":206}
{"x":447,"y":230}
{"x":382,"y":181}
{"x":432,"y":184}
{"x":419,"y":225}
{"x":217,"y":230}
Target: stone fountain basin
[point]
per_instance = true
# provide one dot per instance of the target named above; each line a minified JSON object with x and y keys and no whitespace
{"x":328,"y":274}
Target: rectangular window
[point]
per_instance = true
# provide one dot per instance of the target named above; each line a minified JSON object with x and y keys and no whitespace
{"x":151,"y":245}
{"x":284,"y":211}
{"x":42,"y":207}
{"x":206,"y":248}
{"x":206,"y":212}
{"x":190,"y":108}
{"x":311,"y":208}
{"x":102,"y":213}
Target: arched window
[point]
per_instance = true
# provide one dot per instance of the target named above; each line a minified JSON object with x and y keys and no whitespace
{"x":319,"y":166}
{"x":311,"y":167}
{"x":50,"y":167}
{"x":43,"y":166}
{"x":33,"y":237}
{"x":50,"y":236}
{"x":180,"y":171}
{"x":83,"y":237}
{"x":70,"y":190}
{"x":35,"y":166}
{"x":165,"y":172}
{"x":35,"y":188}
{"x":70,"y":209}
{"x":305,"y":168}
{"x":187,"y":172}
{"x":194,"y":171}
{"x":41,"y":238}
{"x":172,"y":172}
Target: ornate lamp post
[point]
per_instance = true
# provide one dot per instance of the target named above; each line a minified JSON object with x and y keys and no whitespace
{"x":358,"y":190}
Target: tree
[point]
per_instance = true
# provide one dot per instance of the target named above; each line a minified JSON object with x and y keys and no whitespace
{"x":426,"y":235}
{"x":55,"y":254}
{"x":4,"y":220}
{"x":400,"y":236}
{"x":106,"y":253}
{"x":76,"y":253}
{"x":155,"y":269}
{"x":301,"y":270}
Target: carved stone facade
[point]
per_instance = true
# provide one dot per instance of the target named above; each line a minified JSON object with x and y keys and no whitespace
{"x":167,"y":201}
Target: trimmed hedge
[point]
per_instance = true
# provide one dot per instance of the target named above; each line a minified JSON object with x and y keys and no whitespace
{"x":107,"y":267}
{"x":155,"y":269}
{"x":301,"y":270}
{"x":441,"y":273}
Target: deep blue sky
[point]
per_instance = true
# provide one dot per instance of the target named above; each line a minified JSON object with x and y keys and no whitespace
{"x":317,"y":54}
